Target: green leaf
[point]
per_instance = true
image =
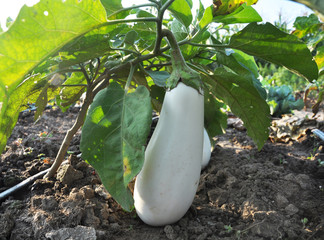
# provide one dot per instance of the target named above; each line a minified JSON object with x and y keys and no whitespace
{"x":202,"y":35}
{"x":207,"y":17}
{"x":113,"y":138}
{"x":179,"y":30}
{"x":27,"y":92}
{"x":308,"y":26}
{"x":92,"y":45}
{"x":41,"y":103}
{"x":181,"y":11}
{"x":9,"y":21}
{"x":111,"y":7}
{"x":130,"y":37}
{"x":303,"y":23}
{"x":225,"y":7}
{"x":215,"y":120}
{"x":70,"y":95}
{"x":243,"y":65}
{"x":243,"y":14}
{"x":40,"y":31}
{"x":269,"y":43}
{"x":319,"y":58}
{"x":201,"y":11}
{"x":244,"y":100}
{"x":159,"y":77}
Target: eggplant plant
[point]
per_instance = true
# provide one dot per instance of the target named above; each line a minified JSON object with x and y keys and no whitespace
{"x":125,"y":62}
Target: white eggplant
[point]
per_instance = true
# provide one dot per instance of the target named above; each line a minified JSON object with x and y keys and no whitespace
{"x":167,"y":184}
{"x":207,"y":150}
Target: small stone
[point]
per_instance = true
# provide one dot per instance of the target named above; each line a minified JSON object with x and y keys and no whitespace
{"x":102,"y":192}
{"x":170,"y":233}
{"x":67,"y":174}
{"x":87,"y":192}
{"x":114,"y":226}
{"x":7,"y":224}
{"x":79,"y":232}
{"x":90,"y":219}
{"x":281,"y":201}
{"x":304,"y":181}
{"x":291,"y":209}
{"x":36,"y":201}
{"x":82,"y":165}
{"x":49,"y":203}
{"x":202,"y":236}
{"x":75,"y":194}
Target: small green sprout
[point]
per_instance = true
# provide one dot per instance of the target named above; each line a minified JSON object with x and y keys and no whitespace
{"x":228,"y":228}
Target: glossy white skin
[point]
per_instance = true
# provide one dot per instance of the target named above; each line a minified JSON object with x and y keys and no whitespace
{"x":206,"y":151}
{"x":168,"y":181}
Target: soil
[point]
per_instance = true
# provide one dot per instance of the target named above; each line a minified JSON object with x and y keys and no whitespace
{"x":275,"y":193}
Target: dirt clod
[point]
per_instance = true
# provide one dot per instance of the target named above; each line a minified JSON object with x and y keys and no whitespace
{"x":275,"y":193}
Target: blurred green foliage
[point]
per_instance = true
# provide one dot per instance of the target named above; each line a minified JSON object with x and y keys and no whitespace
{"x":281,"y":100}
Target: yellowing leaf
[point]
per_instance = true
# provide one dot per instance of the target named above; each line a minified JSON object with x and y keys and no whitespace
{"x":223,"y":7}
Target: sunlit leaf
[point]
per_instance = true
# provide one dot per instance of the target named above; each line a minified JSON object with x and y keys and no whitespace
{"x":70,"y":94}
{"x":269,"y":43}
{"x":27,"y":92}
{"x":224,"y":7}
{"x":113,"y":138}
{"x":40,"y":31}
{"x":243,"y":14}
{"x":215,"y":121}
{"x":159,"y":77}
{"x":244,"y":100}
{"x":113,"y":6}
{"x":181,"y":11}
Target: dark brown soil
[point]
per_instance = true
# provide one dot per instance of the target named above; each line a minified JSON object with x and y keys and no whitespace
{"x":275,"y":193}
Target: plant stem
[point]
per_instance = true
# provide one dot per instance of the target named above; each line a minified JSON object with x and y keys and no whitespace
{"x":97,"y":70}
{"x":171,"y":38}
{"x":159,"y":26}
{"x":85,"y":73}
{"x":74,"y":85}
{"x":69,"y":135}
{"x":132,"y":7}
{"x":110,"y":22}
{"x":130,"y":77}
{"x":207,"y":45}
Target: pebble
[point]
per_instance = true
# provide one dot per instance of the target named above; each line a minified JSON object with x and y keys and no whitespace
{"x":79,"y":232}
{"x":170,"y":233}
{"x":87,"y":192}
{"x":281,"y":201}
{"x":67,"y":174}
{"x":291,"y":209}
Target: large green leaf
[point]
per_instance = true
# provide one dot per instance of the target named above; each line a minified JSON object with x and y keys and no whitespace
{"x":224,"y":7}
{"x":91,"y":45}
{"x":27,"y":92}
{"x":243,"y":65}
{"x":70,"y":94}
{"x":181,"y":11}
{"x":111,"y":7}
{"x":269,"y":43}
{"x":215,"y":121}
{"x":40,"y":31}
{"x":243,"y":14}
{"x":114,"y":135}
{"x":179,"y":30}
{"x":244,"y":100}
